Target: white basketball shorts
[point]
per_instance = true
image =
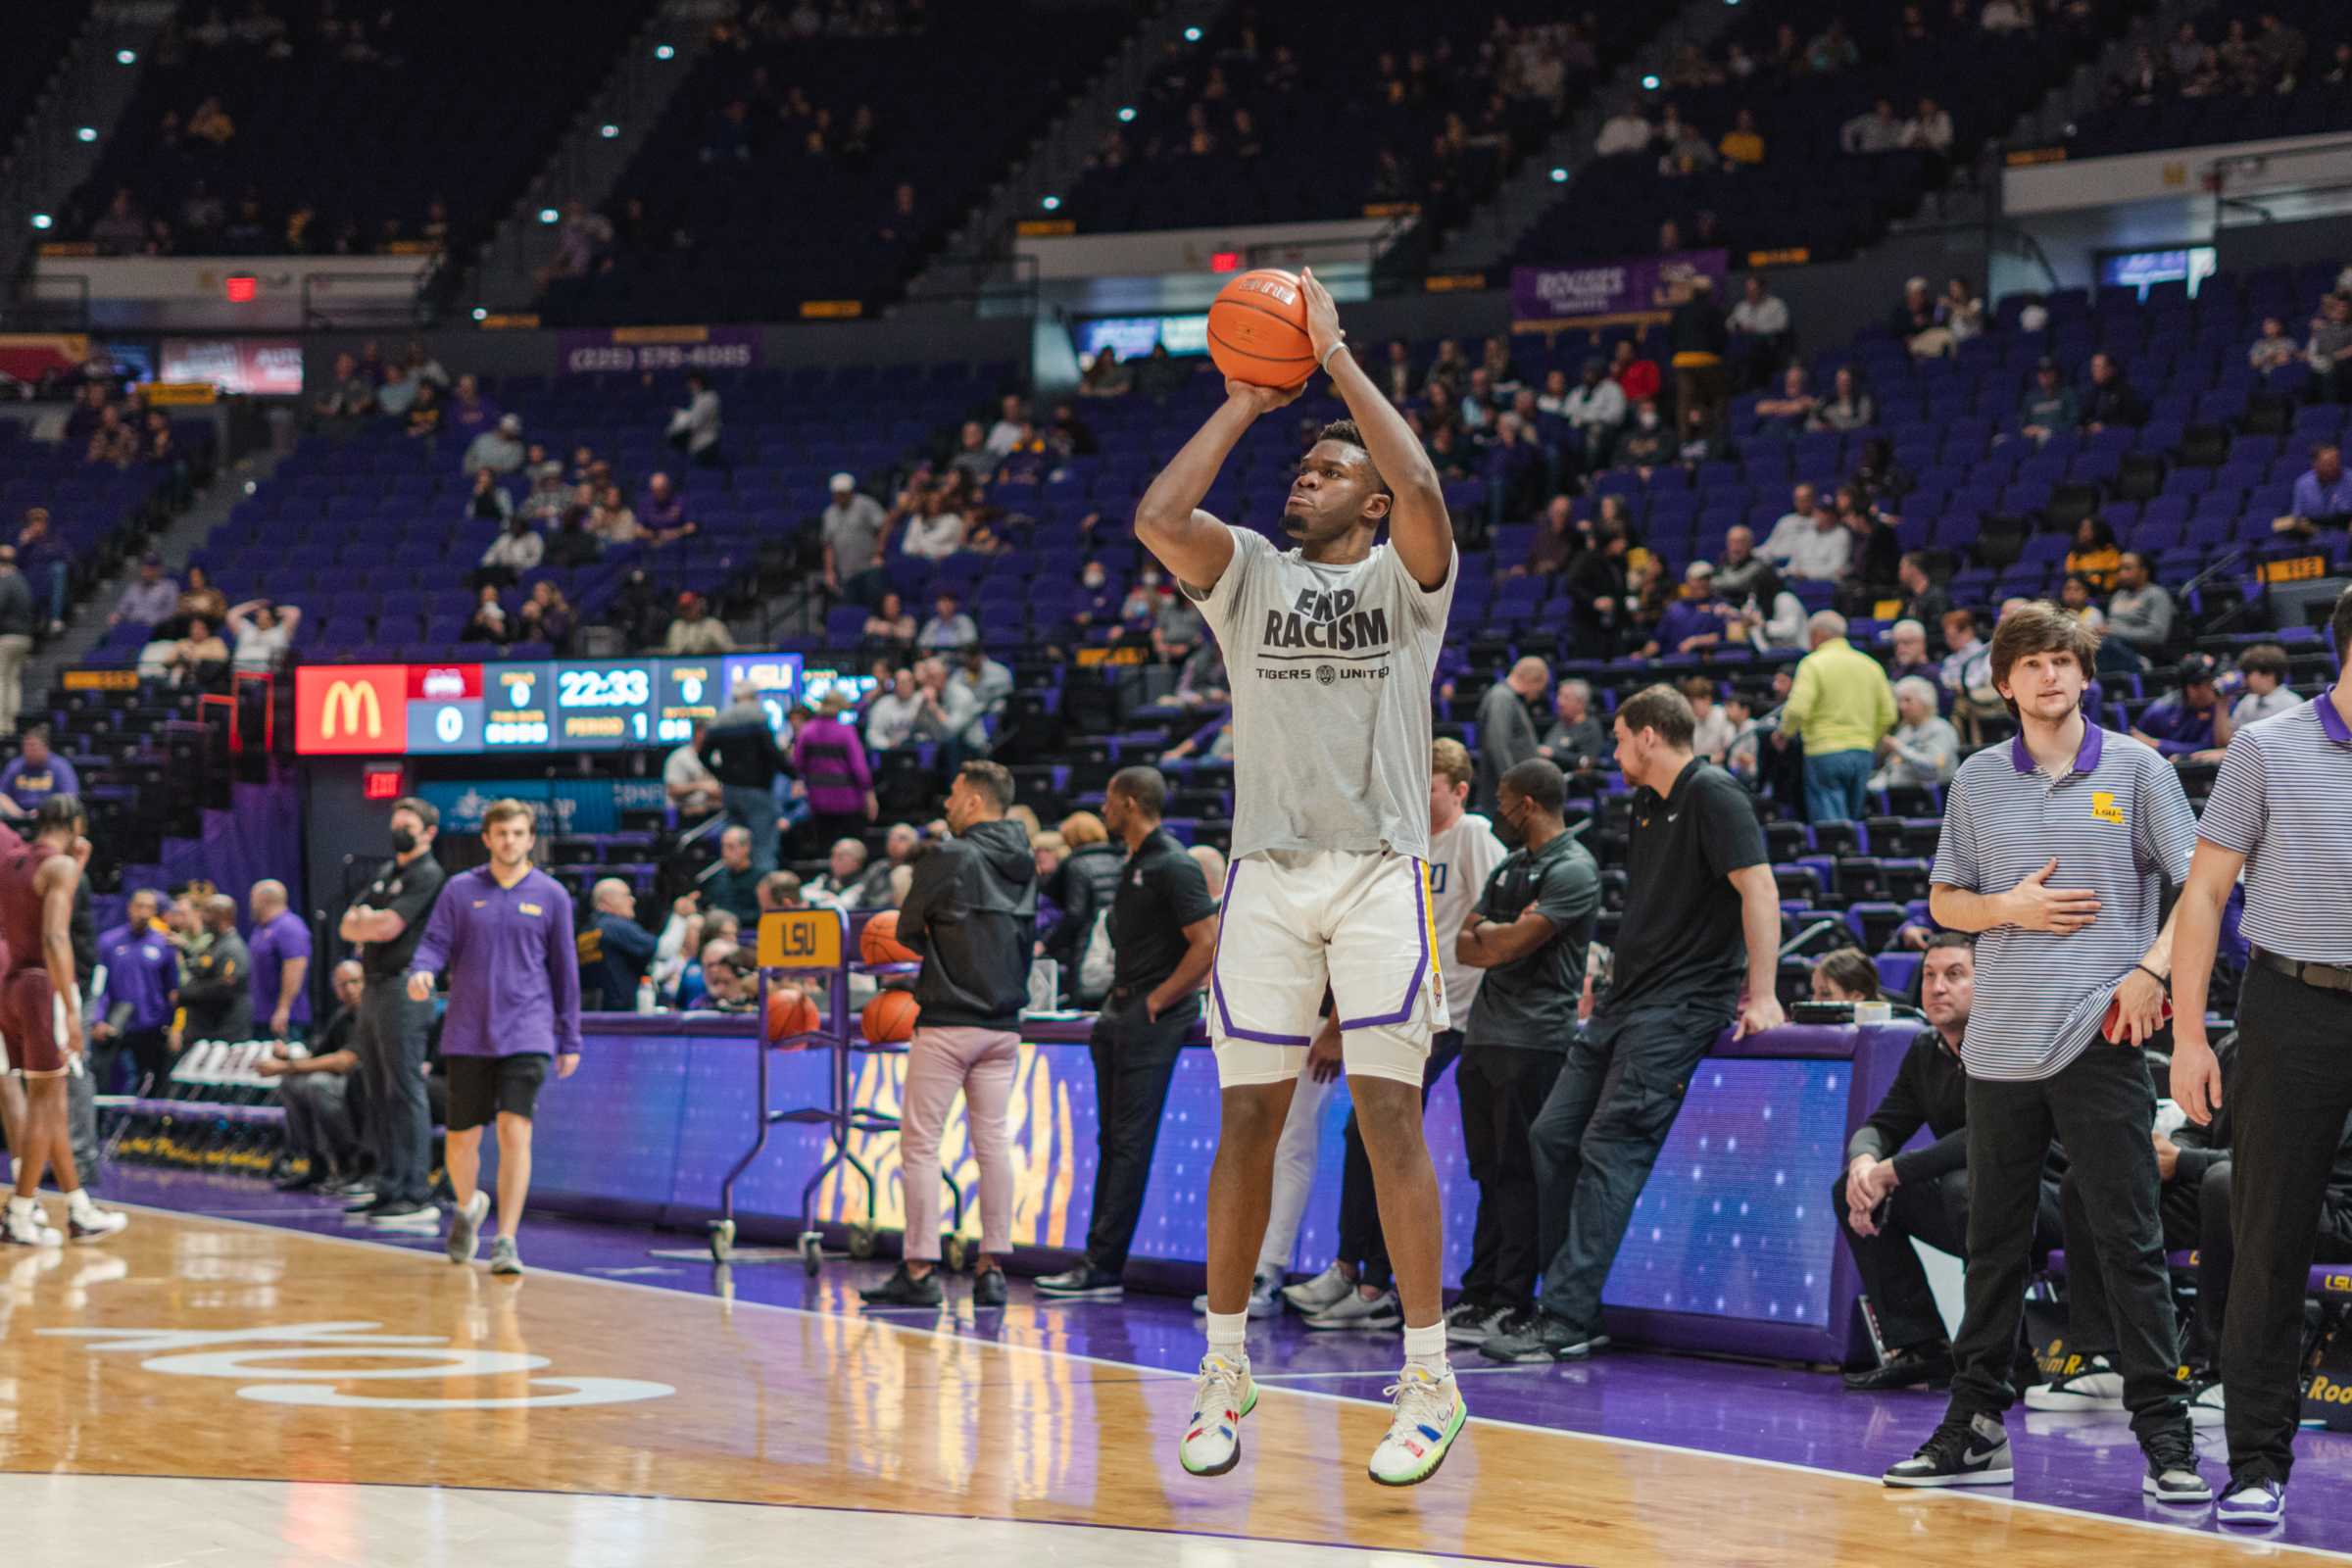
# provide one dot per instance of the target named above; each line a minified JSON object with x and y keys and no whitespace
{"x":1295,"y":922}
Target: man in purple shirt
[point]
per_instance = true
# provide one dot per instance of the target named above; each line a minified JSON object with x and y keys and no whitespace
{"x":661,"y":509}
{"x":150,"y":600}
{"x":1693,"y":620}
{"x":2191,"y":725}
{"x":34,"y":774}
{"x":134,"y":1009}
{"x":280,"y":947}
{"x":504,"y":933}
{"x":2323,"y":495}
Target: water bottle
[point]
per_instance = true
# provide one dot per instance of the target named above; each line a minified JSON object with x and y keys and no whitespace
{"x":646,"y":1002}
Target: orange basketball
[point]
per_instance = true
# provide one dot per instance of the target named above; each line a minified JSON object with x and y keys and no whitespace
{"x":880,"y":942}
{"x":790,"y":1012}
{"x":891,"y":1016}
{"x":1258,"y":329}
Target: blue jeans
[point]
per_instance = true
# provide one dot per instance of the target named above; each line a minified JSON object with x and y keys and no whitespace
{"x":1834,"y":786}
{"x":754,"y":809}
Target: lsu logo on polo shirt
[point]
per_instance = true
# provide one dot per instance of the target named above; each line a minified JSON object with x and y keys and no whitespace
{"x":2103,"y":807}
{"x":533,"y":909}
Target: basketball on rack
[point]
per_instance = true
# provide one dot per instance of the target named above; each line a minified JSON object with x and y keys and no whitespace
{"x":889,"y":1016}
{"x":1258,"y":329}
{"x":880,"y":942}
{"x":790,"y":1012}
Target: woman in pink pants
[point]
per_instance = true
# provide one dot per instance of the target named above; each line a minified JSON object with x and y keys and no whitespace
{"x":971,"y":913}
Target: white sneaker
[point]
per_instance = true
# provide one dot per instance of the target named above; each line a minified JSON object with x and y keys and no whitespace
{"x":1354,"y":1311}
{"x":1212,"y":1435}
{"x":1319,"y":1293}
{"x":1263,"y":1301}
{"x":97,"y":1225}
{"x":2207,"y":1406}
{"x":1429,"y":1417}
{"x":465,"y":1227}
{"x":2097,"y":1387}
{"x":28,"y":1228}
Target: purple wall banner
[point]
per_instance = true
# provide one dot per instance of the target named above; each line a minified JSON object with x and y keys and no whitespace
{"x":585,"y":350}
{"x":1633,"y":288}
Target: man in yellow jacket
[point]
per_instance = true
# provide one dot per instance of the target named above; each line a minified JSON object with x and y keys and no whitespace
{"x":1840,"y":708}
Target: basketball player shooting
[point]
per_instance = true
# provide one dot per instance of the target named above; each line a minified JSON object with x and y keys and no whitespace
{"x":1332,"y":646}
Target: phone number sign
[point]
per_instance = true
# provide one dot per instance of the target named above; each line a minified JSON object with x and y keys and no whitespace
{"x":585,"y":352}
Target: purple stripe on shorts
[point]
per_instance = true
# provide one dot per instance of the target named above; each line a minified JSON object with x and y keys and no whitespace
{"x":1404,"y":1009}
{"x":1217,"y":982}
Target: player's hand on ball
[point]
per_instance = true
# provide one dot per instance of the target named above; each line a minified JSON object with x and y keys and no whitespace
{"x":1261,"y":400}
{"x":420,"y":986}
{"x":1322,"y":314}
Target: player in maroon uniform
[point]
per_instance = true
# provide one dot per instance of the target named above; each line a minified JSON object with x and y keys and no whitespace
{"x":38,"y":880}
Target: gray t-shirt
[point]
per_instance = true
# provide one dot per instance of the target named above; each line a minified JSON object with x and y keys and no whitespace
{"x":1531,"y":1003}
{"x":1331,"y":669}
{"x":854,"y":533}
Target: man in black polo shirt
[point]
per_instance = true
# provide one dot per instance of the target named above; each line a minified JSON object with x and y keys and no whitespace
{"x":1164,"y":933}
{"x":1701,"y":913}
{"x":386,"y":924}
{"x":1888,"y":1195}
{"x":1529,"y":933}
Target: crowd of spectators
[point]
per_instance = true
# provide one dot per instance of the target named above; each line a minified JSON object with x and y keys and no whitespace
{"x":2236,"y":56}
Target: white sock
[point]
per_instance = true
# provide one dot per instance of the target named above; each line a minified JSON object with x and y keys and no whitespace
{"x":1426,"y":1349}
{"x":1227,"y":1332}
{"x":23,"y":1206}
{"x":79,"y":1204}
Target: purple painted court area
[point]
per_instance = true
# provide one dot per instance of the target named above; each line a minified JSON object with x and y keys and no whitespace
{"x":1785,"y":1414}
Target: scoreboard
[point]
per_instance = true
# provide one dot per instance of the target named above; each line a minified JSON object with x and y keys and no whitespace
{"x":527,"y":704}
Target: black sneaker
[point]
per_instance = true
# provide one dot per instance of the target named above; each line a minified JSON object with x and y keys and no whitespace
{"x":1085,"y":1283}
{"x":1543,"y":1338}
{"x":368,"y":1207}
{"x":988,"y":1288}
{"x":302,"y":1181}
{"x":2172,"y":1470}
{"x":1969,"y":1452}
{"x":1926,"y":1366}
{"x":1471,"y":1324}
{"x":903,"y":1289}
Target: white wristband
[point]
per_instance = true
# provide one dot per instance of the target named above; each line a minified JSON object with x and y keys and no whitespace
{"x":1324,"y":364}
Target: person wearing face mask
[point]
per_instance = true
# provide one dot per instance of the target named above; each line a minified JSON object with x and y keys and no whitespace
{"x":385,"y":924}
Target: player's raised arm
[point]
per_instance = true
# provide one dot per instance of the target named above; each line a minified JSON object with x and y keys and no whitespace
{"x":1418,"y":529}
{"x":1189,"y":542}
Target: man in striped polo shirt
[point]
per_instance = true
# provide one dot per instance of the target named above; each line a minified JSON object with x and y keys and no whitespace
{"x":2056,"y":850}
{"x":2277,"y":815}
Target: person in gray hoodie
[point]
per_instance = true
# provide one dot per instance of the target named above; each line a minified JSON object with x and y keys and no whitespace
{"x":971,"y":916}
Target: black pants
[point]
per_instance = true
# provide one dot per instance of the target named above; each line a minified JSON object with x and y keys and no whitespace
{"x":1599,"y":1133}
{"x":1134,"y":1057}
{"x":320,"y":1124}
{"x":819,"y":831}
{"x":1935,"y":1212}
{"x":150,"y":1051}
{"x":2182,"y":1210}
{"x":2293,"y":1083}
{"x":1502,"y":1090}
{"x":1361,"y":1240}
{"x":389,"y":1037}
{"x":2102,"y":1108}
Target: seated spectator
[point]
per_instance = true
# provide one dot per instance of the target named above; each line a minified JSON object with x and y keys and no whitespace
{"x":197,"y":654}
{"x":2050,"y":405}
{"x":1703,"y":440}
{"x":2263,"y":668}
{"x":891,"y":717}
{"x":732,"y":882}
{"x":661,"y":509}
{"x":1693,"y":620}
{"x":1929,"y":129}
{"x":1177,"y":627}
{"x":1914,"y":321}
{"x":1712,"y":738}
{"x":1646,"y":443}
{"x":322,"y":1125}
{"x":517,"y":550}
{"x":2274,"y":350}
{"x":499,"y":448}
{"x":1202,"y":681}
{"x":948,"y":715}
{"x":122,"y":231}
{"x":1848,"y":407}
{"x":1967,"y":659}
{"x":1845,"y":974}
{"x":1104,"y":377}
{"x":1685,"y":150}
{"x":934,"y":529}
{"x":151,"y":597}
{"x":2322,"y":497}
{"x":1557,"y":541}
{"x":573,"y":545}
{"x":1880,"y":130}
{"x":1824,"y":552}
{"x":469,"y":412}
{"x":949,"y":628}
{"x":1924,"y":749}
{"x":2095,"y":557}
{"x":1743,"y":146}
{"x":33,"y":774}
{"x":2140,"y":612}
{"x":1960,"y":313}
{"x":424,"y":415}
{"x":1788,"y":532}
{"x":888,"y":631}
{"x":694,"y":428}
{"x":115,"y":444}
{"x":264,"y":632}
{"x":1637,"y":378}
{"x":1595,"y":411}
{"x":1743,"y":574}
{"x":1924,"y":603}
{"x":488,"y":500}
{"x":1908,"y":651}
{"x":2006,"y":16}
{"x":1760,"y":330}
{"x":843,"y":873}
{"x":1577,"y":742}
{"x":546,"y":617}
{"x":2112,"y":400}
{"x":2077,"y":599}
{"x":398,"y":395}
{"x":610,"y":518}
{"x":488,"y":622}
{"x":2188,"y":724}
{"x":695,"y":630}
{"x":1791,"y":411}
